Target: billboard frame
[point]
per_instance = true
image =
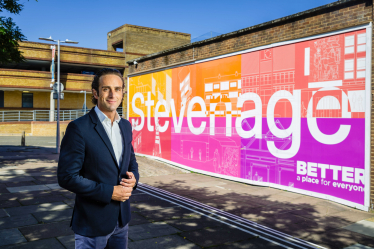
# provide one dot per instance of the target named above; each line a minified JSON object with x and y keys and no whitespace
{"x":368,"y":100}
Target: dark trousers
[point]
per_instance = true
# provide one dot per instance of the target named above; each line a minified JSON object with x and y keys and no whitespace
{"x":115,"y":240}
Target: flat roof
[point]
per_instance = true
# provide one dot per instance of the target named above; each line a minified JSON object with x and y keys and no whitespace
{"x":142,"y":27}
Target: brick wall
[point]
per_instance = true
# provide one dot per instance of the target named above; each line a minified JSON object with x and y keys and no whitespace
{"x":338,"y":15}
{"x":12,"y":128}
{"x":32,"y":128}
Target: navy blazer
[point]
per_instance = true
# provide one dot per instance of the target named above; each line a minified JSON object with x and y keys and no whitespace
{"x":88,"y":167}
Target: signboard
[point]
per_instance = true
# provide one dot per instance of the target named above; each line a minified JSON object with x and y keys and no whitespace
{"x":55,"y":95}
{"x":294,"y":115}
{"x":56,"y":85}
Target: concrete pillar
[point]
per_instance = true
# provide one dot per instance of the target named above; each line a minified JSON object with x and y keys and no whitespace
{"x":52,"y":108}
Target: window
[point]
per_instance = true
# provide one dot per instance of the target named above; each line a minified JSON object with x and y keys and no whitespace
{"x":1,"y":98}
{"x":349,"y":44}
{"x":118,"y":46}
{"x":348,"y":69}
{"x":27,"y":100}
{"x":361,"y":42}
{"x":361,"y":67}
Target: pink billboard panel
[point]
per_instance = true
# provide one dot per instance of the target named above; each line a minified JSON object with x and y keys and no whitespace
{"x":293,"y":116}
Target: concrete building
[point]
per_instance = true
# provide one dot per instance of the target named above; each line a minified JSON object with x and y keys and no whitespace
{"x":26,"y":86}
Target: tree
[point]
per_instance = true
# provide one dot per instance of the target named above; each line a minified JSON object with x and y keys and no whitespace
{"x":10,"y":34}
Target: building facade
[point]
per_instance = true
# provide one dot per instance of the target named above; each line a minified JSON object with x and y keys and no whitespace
{"x":27,"y":86}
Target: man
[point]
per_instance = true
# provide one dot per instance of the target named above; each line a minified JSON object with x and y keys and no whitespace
{"x":97,"y":163}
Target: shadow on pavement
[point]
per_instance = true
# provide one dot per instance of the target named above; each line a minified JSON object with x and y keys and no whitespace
{"x":312,"y":219}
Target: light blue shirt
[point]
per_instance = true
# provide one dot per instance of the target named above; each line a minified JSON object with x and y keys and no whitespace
{"x":113,"y":132}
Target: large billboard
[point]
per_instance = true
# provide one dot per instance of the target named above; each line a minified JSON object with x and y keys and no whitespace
{"x":294,"y":115}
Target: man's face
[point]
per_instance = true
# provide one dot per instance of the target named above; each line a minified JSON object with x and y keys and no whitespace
{"x":110,"y":93}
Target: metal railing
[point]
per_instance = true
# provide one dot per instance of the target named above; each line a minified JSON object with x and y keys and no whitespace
{"x":43,"y":115}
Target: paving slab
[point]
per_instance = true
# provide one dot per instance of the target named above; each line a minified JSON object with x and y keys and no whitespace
{"x":8,"y":204}
{"x":252,"y":214}
{"x":364,"y":227}
{"x":46,"y":179}
{"x":39,"y":244}
{"x":41,"y":173}
{"x":165,"y":242}
{"x":142,"y":197}
{"x":43,"y":199}
{"x":340,"y":238}
{"x":68,"y":241}
{"x":3,"y":213}
{"x":309,"y":227}
{"x":151,"y":230}
{"x":353,"y":215}
{"x":16,"y":184}
{"x":166,"y":213}
{"x":299,"y":230}
{"x":11,"y":236}
{"x":17,"y":221}
{"x":193,"y":222}
{"x":27,"y":188}
{"x":44,"y":231}
{"x":53,"y":216}
{"x":159,"y":168}
{"x":69,"y":195}
{"x":12,"y":172}
{"x":216,"y":236}
{"x":155,"y":204}
{"x":70,"y":202}
{"x":133,"y":208}
{"x":254,"y":243}
{"x":36,"y":208}
{"x":284,"y":219}
{"x":207,"y":194}
{"x":60,"y":191}
{"x":211,"y":183}
{"x":358,"y":246}
{"x":14,"y":196}
{"x":3,"y":189}
{"x":53,"y":186}
{"x":318,"y":211}
{"x":9,"y":179}
{"x":137,"y":219}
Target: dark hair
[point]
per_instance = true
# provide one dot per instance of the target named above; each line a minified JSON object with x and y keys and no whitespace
{"x":96,"y":80}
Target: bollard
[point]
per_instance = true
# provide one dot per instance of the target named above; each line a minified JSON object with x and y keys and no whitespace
{"x":23,"y":139}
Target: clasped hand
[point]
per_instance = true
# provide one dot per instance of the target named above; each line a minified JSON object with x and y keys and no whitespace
{"x":123,"y":191}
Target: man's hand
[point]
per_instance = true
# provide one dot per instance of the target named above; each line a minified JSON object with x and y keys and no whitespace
{"x":121,"y":193}
{"x":130,"y":182}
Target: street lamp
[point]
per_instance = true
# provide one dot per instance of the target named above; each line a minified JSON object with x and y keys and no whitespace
{"x":84,"y":105}
{"x":59,"y":86}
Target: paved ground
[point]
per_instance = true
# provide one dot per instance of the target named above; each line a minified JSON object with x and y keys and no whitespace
{"x":173,"y":208}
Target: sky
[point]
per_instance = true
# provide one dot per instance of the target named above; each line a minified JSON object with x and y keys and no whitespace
{"x":88,"y":22}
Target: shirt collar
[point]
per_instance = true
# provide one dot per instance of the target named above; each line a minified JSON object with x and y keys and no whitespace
{"x":102,"y":117}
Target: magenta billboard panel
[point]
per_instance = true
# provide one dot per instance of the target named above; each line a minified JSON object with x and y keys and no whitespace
{"x":293,"y":115}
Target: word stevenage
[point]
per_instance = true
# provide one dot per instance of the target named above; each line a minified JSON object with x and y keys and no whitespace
{"x":294,"y":129}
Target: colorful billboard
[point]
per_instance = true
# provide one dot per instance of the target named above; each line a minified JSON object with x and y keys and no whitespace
{"x":294,"y":116}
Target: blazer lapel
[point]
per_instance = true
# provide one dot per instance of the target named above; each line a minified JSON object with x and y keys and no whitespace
{"x":100,"y":129}
{"x":123,"y":131}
